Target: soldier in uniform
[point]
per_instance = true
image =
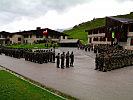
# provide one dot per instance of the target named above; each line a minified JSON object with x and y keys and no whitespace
{"x":53,"y":54}
{"x":71,"y":59}
{"x":62,"y":60}
{"x":96,"y":61}
{"x":58,"y":60}
{"x":88,"y":47}
{"x":67,"y":60}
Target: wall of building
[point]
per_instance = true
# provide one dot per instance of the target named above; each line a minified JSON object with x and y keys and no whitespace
{"x":30,"y":40}
{"x":97,"y":36}
{"x":15,"y":37}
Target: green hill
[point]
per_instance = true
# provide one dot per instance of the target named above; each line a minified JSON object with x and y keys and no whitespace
{"x":78,"y":31}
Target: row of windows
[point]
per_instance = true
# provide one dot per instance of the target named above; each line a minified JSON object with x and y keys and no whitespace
{"x":30,"y":36}
{"x":101,"y":39}
{"x":96,"y":31}
{"x":5,"y":36}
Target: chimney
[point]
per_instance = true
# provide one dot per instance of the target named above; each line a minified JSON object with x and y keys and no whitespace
{"x":38,"y":28}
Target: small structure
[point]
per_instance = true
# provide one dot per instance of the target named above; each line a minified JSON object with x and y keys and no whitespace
{"x":69,"y":43}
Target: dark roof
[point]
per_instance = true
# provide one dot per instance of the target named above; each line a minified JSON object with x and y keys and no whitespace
{"x":123,"y":20}
{"x":4,"y":32}
{"x":37,"y":31}
{"x":69,"y":41}
{"x":95,"y":29}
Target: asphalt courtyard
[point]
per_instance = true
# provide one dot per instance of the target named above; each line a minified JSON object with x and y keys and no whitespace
{"x":80,"y":81}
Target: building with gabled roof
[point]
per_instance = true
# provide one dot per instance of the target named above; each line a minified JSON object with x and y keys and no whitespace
{"x":116,"y":30}
{"x":32,"y":36}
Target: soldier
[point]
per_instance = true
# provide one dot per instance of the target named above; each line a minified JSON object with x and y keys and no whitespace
{"x":58,"y":60}
{"x":62,"y":60}
{"x":72,"y":59}
{"x":89,"y":48}
{"x":86,"y":48}
{"x":67,"y":60}
{"x":50,"y":56}
{"x":53,"y":54}
{"x":96,"y":61}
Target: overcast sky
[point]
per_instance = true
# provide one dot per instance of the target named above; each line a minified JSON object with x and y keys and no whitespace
{"x":22,"y":15}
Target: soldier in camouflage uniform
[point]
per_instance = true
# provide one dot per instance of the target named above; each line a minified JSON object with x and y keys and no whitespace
{"x":71,"y":59}
{"x":67,"y":59}
{"x":62,"y":60}
{"x":58,"y":60}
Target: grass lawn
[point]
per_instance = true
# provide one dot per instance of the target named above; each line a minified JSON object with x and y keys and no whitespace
{"x":14,"y":88}
{"x":39,"y":46}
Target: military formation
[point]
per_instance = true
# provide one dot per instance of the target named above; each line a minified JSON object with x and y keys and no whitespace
{"x":112,"y":57}
{"x":37,"y":56}
{"x":86,"y":47}
{"x":65,"y":59}
{"x":109,"y":57}
{"x":13,"y":52}
{"x":40,"y":56}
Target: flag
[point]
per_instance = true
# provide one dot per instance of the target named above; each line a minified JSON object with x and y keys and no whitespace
{"x":45,"y":32}
{"x":113,"y":35}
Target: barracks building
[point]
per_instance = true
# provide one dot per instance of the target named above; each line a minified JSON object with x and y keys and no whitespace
{"x":116,"y":31}
{"x":31,"y":36}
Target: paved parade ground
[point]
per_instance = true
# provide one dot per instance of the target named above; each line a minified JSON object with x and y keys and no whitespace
{"x":80,"y":81}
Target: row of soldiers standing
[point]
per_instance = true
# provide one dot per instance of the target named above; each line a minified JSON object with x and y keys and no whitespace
{"x":41,"y":56}
{"x":38,"y":56}
{"x":13,"y":52}
{"x":69,"y":60}
{"x":112,"y":57}
{"x":87,"y":47}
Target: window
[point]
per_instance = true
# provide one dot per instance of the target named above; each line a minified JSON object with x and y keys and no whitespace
{"x":131,"y":27}
{"x":131,"y":41}
{"x":10,"y":36}
{"x":39,"y":36}
{"x":5,"y":36}
{"x":25,"y":35}
{"x":30,"y":35}
{"x":19,"y":39}
{"x":63,"y":37}
{"x":95,"y":39}
{"x":10,"y":42}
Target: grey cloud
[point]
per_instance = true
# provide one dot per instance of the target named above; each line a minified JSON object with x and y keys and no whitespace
{"x":121,"y":1}
{"x":11,"y":10}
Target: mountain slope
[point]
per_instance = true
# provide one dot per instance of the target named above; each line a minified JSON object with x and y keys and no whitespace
{"x":78,"y":31}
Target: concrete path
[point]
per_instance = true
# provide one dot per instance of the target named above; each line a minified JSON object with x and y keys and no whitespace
{"x":80,"y":81}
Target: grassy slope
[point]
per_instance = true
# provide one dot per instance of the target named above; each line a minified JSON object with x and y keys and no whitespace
{"x":14,"y":88}
{"x":78,"y":31}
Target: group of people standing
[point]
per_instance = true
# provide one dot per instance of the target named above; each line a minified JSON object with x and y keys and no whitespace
{"x":40,"y":56}
{"x":109,"y":57}
{"x":37,"y":56}
{"x":69,"y":60}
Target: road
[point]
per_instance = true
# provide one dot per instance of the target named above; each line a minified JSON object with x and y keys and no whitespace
{"x":80,"y":81}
